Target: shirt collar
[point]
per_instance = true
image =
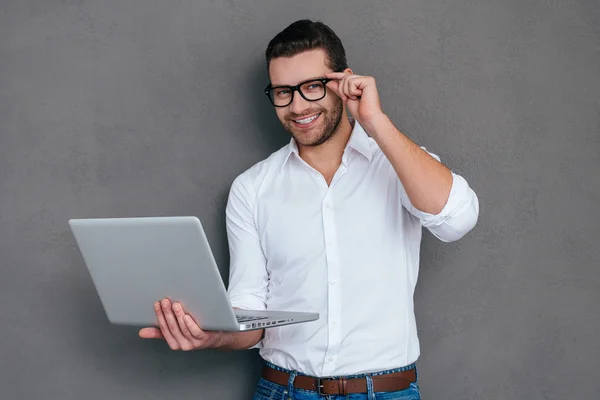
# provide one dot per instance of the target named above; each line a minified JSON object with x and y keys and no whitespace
{"x":359,"y":141}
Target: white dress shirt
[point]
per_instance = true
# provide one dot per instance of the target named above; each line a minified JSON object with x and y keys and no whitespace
{"x":349,"y":251}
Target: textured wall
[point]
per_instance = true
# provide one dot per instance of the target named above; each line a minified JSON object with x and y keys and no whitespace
{"x":127,"y":108}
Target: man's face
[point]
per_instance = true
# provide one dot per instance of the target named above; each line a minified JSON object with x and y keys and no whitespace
{"x":311,"y":123}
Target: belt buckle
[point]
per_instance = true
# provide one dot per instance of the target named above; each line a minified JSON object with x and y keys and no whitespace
{"x":320,"y":385}
{"x":342,"y":391}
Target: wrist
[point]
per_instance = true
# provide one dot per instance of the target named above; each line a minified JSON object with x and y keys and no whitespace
{"x":377,"y":125}
{"x":225,"y":340}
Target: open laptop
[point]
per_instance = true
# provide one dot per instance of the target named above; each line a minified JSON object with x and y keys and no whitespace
{"x":134,"y":262}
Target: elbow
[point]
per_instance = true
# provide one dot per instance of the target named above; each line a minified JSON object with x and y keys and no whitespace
{"x":456,"y":227}
{"x":454,"y":233}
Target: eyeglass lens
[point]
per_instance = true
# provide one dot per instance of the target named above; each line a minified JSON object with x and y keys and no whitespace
{"x":312,"y":91}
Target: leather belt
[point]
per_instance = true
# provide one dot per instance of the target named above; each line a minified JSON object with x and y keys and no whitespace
{"x":391,"y":382}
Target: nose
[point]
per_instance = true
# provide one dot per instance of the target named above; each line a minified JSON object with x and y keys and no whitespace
{"x":299,"y":105}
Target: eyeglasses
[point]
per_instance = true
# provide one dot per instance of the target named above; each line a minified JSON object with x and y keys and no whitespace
{"x":312,"y":90}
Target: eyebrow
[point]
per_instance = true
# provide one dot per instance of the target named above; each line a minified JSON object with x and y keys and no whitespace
{"x":305,"y":80}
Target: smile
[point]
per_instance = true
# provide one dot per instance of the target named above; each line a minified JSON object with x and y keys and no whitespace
{"x":308,"y":120}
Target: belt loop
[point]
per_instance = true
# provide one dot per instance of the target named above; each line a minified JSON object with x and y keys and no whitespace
{"x":370,"y":391}
{"x":290,"y":389}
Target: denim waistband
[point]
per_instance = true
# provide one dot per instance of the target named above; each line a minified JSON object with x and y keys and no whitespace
{"x":383,"y":372}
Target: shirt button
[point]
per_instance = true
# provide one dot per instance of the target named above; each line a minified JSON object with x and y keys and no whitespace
{"x":332,"y":281}
{"x":329,"y":243}
{"x":330,"y":359}
{"x":326,"y":205}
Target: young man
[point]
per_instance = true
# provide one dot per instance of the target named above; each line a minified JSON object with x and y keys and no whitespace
{"x":331,"y":223}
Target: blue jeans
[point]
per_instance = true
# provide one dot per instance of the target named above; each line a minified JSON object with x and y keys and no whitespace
{"x":267,"y":390}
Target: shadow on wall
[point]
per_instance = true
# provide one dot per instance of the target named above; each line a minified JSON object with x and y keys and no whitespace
{"x":264,"y":122}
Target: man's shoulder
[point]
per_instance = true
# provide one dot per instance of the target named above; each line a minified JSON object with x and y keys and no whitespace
{"x":257,"y":172}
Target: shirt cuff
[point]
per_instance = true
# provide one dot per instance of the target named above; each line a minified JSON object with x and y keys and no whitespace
{"x":459,"y":198}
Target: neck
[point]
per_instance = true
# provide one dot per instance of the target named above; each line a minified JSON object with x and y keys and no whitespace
{"x":328,"y":155}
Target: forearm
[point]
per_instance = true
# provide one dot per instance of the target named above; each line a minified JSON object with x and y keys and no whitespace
{"x":240,"y":340}
{"x":427,"y":181}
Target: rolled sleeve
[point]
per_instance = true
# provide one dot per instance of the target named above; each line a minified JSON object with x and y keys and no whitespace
{"x":248,"y":278}
{"x":458,"y":216}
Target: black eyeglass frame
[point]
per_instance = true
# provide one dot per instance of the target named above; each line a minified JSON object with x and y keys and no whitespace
{"x":324,"y":81}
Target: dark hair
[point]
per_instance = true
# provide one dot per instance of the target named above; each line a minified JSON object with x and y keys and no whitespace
{"x":304,"y":35}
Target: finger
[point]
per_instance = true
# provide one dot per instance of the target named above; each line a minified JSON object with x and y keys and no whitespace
{"x":172,"y":322}
{"x":198,"y":336}
{"x":349,"y":88}
{"x":194,"y":328}
{"x":335,"y":75}
{"x":191,"y":341}
{"x":165,"y":328}
{"x":333,"y":85}
{"x":179,"y":314}
{"x":341,"y":91}
{"x":151,"y":333}
{"x":353,"y":87}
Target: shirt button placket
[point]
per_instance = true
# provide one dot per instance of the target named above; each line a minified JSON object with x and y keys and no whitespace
{"x":333,"y":275}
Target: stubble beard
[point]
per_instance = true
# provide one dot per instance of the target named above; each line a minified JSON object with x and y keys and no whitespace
{"x":329,"y":126}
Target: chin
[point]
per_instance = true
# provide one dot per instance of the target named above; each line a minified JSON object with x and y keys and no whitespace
{"x":311,"y":137}
{"x":317,"y":132}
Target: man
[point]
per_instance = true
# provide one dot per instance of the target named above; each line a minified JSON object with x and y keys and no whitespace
{"x":331,"y":223}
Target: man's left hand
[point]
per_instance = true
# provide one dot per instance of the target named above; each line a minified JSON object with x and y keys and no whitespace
{"x":359,"y":93}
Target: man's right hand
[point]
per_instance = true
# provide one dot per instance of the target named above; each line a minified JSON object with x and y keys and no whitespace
{"x":180,"y":330}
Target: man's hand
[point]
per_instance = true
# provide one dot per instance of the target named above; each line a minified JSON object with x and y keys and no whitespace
{"x":360,"y":94}
{"x":427,"y":181}
{"x":180,"y":330}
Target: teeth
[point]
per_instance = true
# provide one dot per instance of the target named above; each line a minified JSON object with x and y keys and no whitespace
{"x":307,"y":120}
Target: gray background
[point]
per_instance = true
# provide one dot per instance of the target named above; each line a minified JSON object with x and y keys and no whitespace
{"x":138,"y":108}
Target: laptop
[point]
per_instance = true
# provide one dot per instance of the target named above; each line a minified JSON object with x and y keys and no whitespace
{"x":134,"y":262}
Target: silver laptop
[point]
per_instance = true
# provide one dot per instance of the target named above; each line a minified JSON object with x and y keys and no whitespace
{"x":134,"y":262}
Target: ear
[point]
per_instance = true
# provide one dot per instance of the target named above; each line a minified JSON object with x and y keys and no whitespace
{"x":348,"y":71}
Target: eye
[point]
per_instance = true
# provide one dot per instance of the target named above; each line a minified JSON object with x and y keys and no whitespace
{"x":282,"y":92}
{"x":312,"y":87}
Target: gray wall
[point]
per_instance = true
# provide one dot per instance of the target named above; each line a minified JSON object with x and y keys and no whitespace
{"x":136,"y":108}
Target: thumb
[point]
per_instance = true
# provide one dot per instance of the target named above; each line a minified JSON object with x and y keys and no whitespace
{"x":151,"y":333}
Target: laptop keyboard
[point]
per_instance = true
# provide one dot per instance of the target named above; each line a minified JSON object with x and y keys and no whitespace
{"x":247,"y":318}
